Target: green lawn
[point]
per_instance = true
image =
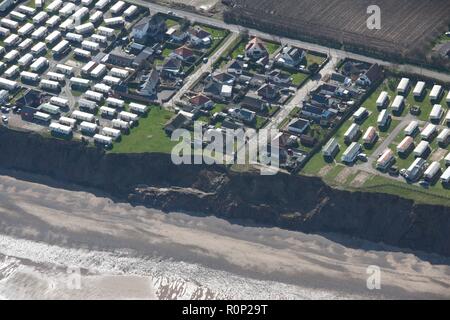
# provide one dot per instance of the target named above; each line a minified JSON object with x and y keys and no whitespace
{"x":166,"y":52}
{"x":298,"y":78}
{"x":239,"y":50}
{"x":272,"y":46}
{"x":171,"y":23}
{"x":312,"y":58}
{"x":148,"y":136}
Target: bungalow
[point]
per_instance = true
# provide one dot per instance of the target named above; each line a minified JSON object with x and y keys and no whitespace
{"x":150,"y":26}
{"x":236,"y":67}
{"x":224,"y":78}
{"x":201,"y":101}
{"x":298,"y":126}
{"x":177,"y":122}
{"x":183,"y":53}
{"x":150,"y":85}
{"x":290,"y":56}
{"x":176,"y":35}
{"x":255,"y":49}
{"x":172,"y":67}
{"x":316,"y":113}
{"x":253,"y":103}
{"x":243,"y":115}
{"x":199,"y":37}
{"x":268,"y":91}
{"x":374,"y":74}
{"x":213,"y":90}
{"x":277,"y":76}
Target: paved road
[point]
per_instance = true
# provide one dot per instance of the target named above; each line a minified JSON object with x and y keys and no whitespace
{"x":337,"y":54}
{"x":276,"y":120}
{"x":204,"y":68}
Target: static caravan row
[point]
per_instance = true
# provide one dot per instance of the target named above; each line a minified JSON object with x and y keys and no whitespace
{"x":445,"y":177}
{"x":68,"y":121}
{"x":25,"y":60}
{"x":96,"y":17}
{"x":111,"y":80}
{"x":80,"y":82}
{"x":39,"y":33}
{"x":92,"y":95}
{"x":86,"y":2}
{"x":90,"y":45}
{"x":99,"y":38}
{"x":15,"y":15}
{"x":436,"y":112}
{"x":403,"y":86}
{"x":78,"y":38}
{"x":411,"y":128}
{"x":101,"y":87}
{"x":385,"y":160}
{"x":56,"y":76}
{"x":88,"y":127}
{"x":419,"y":89}
{"x":67,"y":9}
{"x":111,"y":132}
{"x":382,"y":100}
{"x":138,"y":108}
{"x":38,"y":49}
{"x":12,"y":40}
{"x":80,"y":14}
{"x":30,"y":76}
{"x":8,"y":84}
{"x":11,"y":72}
{"x":120,"y":124}
{"x":432,"y":171}
{"x":87,"y":68}
{"x":351,"y":153}
{"x":107,"y":112}
{"x":101,"y":139}
{"x":101,"y":4}
{"x":49,"y":84}
{"x":118,"y":72}
{"x":25,"y":44}
{"x":99,"y":71}
{"x":370,"y":136}
{"x":84,"y":28}
{"x":398,"y":104}
{"x":60,"y":47}
{"x":118,"y":7}
{"x":54,"y":6}
{"x":42,"y":116}
{"x":114,"y":22}
{"x":83,"y":116}
{"x":26,"y":10}
{"x":39,"y":64}
{"x":443,"y":136}
{"x":421,"y":148}
{"x":105,"y":31}
{"x":405,"y":145}
{"x":40,"y":17}
{"x":383,"y":118}
{"x":50,"y":109}
{"x":59,"y":128}
{"x":53,"y":21}
{"x":27,"y":28}
{"x":428,"y":132}
{"x":67,"y":24}
{"x":67,"y":70}
{"x":130,"y":11}
{"x":53,"y":36}
{"x":82,"y":53}
{"x":447,"y":118}
{"x":4,"y":32}
{"x":87,"y":105}
{"x":116,"y":103}
{"x":436,"y":93}
{"x":60,"y":102}
{"x":8,"y":23}
{"x":11,"y":56}
{"x":128,"y":116}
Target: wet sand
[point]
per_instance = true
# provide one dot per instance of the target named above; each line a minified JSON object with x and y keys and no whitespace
{"x":50,"y":235}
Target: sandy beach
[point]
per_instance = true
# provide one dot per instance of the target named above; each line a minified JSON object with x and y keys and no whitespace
{"x":57,"y":243}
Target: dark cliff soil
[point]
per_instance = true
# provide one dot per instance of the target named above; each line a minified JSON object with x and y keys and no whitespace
{"x":292,"y":202}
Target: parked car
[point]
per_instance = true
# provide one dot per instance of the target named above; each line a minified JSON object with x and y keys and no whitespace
{"x":403,"y":173}
{"x":424,"y":183}
{"x":362,"y":157}
{"x":5,"y":119}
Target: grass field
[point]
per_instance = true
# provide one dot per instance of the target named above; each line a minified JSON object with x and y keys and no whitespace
{"x":148,"y":136}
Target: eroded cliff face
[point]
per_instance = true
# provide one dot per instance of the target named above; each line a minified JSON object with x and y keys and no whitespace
{"x":292,"y":202}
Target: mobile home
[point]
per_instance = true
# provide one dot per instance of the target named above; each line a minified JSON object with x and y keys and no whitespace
{"x":351,"y":153}
{"x":403,"y":86}
{"x":428,"y":132}
{"x":421,"y":149}
{"x":436,"y":93}
{"x":419,"y":89}
{"x":83,"y":116}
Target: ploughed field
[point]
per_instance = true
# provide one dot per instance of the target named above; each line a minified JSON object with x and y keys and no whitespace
{"x":407,"y":26}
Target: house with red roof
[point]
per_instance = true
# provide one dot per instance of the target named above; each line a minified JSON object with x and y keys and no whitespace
{"x":256,"y":49}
